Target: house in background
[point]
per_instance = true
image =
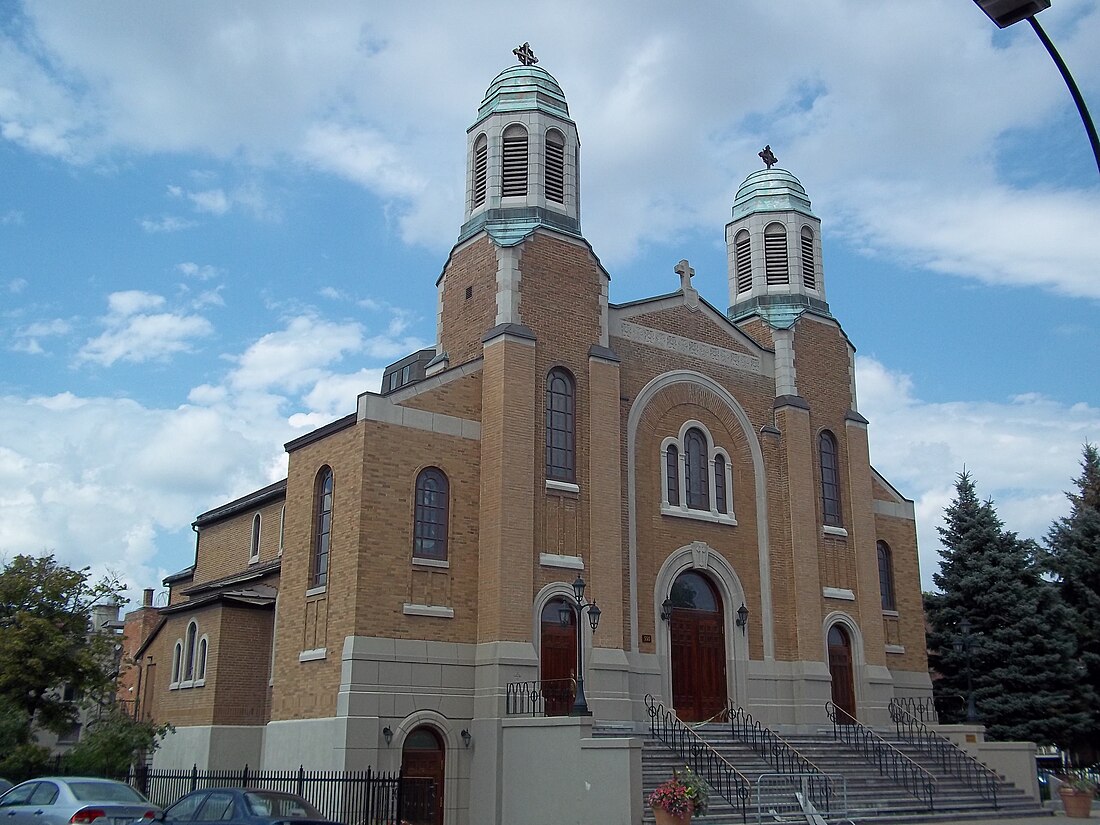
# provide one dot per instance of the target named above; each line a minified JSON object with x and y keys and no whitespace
{"x":706,"y":472}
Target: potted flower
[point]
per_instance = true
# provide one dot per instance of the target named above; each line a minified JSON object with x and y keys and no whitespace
{"x":677,"y":799}
{"x":1077,"y":793}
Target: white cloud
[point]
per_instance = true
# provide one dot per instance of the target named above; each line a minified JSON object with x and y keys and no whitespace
{"x":27,"y":339}
{"x":17,"y":285}
{"x":167,"y":223}
{"x":203,"y":272}
{"x":13,"y":217}
{"x":134,"y":334}
{"x":131,"y":301}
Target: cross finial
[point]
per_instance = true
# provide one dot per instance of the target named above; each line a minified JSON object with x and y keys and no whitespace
{"x":525,"y":55}
{"x":768,"y":157}
{"x":686,"y":273}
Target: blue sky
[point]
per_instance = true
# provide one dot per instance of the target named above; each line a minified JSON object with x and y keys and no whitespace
{"x":220,"y":221}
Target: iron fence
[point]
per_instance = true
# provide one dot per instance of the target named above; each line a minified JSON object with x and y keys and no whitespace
{"x":541,"y":697}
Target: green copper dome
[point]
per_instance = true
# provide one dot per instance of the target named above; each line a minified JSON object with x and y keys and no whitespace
{"x":524,"y":89}
{"x":771,"y":190}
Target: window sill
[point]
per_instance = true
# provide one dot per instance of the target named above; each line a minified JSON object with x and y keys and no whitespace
{"x":891,"y":613}
{"x":556,"y":560}
{"x":199,"y":683}
{"x":174,"y":686}
{"x":316,"y":591}
{"x":186,"y":684}
{"x":440,"y":563}
{"x":562,"y":486}
{"x":433,"y":610}
{"x":829,"y":530}
{"x":314,"y":655}
{"x":699,"y":515}
{"x":895,"y":648}
{"x":838,"y":593}
{"x":254,"y":560}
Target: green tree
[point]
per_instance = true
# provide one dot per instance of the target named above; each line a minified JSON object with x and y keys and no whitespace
{"x":1073,"y":545}
{"x":1021,"y":651}
{"x":19,"y":758}
{"x":112,"y":742}
{"x":45,"y":644}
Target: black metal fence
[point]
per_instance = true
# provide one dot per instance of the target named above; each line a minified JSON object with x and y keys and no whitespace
{"x":544,"y":697}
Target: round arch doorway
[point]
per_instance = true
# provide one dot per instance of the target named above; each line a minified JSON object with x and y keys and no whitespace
{"x":698,"y":646}
{"x":558,"y":658}
{"x":840,"y":669}
{"x":422,"y":765}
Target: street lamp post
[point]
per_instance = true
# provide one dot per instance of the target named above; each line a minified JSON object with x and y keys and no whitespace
{"x":963,"y":644}
{"x":576,"y":606}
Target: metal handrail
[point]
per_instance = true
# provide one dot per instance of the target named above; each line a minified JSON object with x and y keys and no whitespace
{"x":885,"y":757}
{"x":919,"y":707}
{"x":529,"y":698}
{"x":779,"y":753}
{"x":700,"y":756}
{"x":950,"y":756}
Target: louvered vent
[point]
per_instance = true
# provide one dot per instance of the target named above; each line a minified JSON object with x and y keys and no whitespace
{"x":775,"y":255}
{"x":514,"y":178}
{"x":809,"y":271}
{"x":743,"y":257}
{"x":481,"y":164}
{"x":555,"y":167}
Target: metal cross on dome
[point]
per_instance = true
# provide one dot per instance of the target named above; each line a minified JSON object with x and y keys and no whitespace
{"x":768,"y":157}
{"x":525,"y":55}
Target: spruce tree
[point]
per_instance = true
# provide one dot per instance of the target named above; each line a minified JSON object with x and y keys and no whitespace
{"x":1021,"y":648}
{"x":1074,"y":557}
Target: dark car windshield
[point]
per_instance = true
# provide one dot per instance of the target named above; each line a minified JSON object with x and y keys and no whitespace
{"x":282,"y":806}
{"x":92,"y":791}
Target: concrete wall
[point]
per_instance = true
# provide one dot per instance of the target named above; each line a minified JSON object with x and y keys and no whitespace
{"x":212,"y":747}
{"x":1015,"y":761}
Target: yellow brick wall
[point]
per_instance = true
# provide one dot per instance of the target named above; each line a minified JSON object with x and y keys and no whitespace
{"x":225,"y":545}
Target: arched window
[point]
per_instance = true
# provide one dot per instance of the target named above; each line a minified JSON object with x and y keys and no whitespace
{"x":775,"y":255}
{"x":177,"y":662}
{"x":481,"y":169}
{"x":254,"y":546}
{"x":672,"y":474}
{"x":189,"y":652}
{"x":555,"y":166}
{"x":886,"y":576}
{"x":809,"y":271}
{"x":282,"y":527}
{"x":720,"y":484}
{"x":696,"y":465}
{"x":322,"y":527}
{"x":514,"y":171}
{"x":830,"y":479}
{"x":742,"y":253}
{"x":200,"y":668}
{"x":430,"y":520}
{"x":560,"y":425}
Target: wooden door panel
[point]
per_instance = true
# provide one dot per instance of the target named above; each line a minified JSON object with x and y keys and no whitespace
{"x":698,"y":664}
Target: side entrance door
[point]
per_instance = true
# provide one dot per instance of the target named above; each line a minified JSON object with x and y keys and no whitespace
{"x":558,"y":656}
{"x":422,"y":767}
{"x":840,"y":669}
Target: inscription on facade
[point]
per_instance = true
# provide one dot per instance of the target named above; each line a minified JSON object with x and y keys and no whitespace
{"x":686,"y":346}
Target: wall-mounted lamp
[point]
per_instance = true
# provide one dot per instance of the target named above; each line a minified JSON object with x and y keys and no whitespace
{"x":743,"y":618}
{"x":466,"y":737}
{"x":387,"y":734}
{"x":666,"y":610}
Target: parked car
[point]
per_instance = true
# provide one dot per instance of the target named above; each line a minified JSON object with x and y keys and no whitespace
{"x":234,"y":806}
{"x":75,"y":800}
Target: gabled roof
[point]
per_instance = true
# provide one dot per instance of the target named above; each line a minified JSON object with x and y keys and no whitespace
{"x":246,"y":502}
{"x":253,"y":573}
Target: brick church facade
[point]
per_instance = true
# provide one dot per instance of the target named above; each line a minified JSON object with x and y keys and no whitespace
{"x":706,"y":472}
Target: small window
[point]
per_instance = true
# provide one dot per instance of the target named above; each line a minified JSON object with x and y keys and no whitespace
{"x":177,"y":661}
{"x":200,"y":670}
{"x":189,"y":652}
{"x":720,"y":503}
{"x":672,"y":474}
{"x":886,"y":576}
{"x":742,"y":254}
{"x":695,"y":470}
{"x":481,"y":167}
{"x":555,"y":166}
{"x":560,"y":408}
{"x":809,"y":271}
{"x":830,"y":479}
{"x":514,"y":173}
{"x":254,"y":547}
{"x":322,"y":527}
{"x":430,"y":527}
{"x":775,"y":255}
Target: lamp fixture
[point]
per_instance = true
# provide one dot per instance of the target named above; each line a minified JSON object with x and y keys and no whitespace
{"x":466,"y":737}
{"x":578,"y":587}
{"x":594,"y":616}
{"x":743,"y":618}
{"x":387,"y":734}
{"x":666,"y":610}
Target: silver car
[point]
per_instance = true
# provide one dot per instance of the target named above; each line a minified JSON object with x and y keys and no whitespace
{"x":74,"y":800}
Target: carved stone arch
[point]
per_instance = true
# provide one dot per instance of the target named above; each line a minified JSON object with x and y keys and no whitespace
{"x":717,"y":399}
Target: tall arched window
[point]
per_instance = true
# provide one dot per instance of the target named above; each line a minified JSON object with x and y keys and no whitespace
{"x":742,"y":253}
{"x":514,"y":171}
{"x":560,"y":441}
{"x":254,"y":545}
{"x":886,"y":576}
{"x":177,"y":662}
{"x":322,"y":527}
{"x":809,"y":270}
{"x":830,"y":479}
{"x":672,"y":474}
{"x":430,"y":520}
{"x":189,"y":652}
{"x":555,"y":166}
{"x":200,"y":667}
{"x":696,"y":466}
{"x":720,"y":503}
{"x":775,"y":255}
{"x":481,"y":169}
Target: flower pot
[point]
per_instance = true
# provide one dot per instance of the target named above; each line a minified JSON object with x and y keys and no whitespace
{"x":1078,"y":804}
{"x":665,"y":818}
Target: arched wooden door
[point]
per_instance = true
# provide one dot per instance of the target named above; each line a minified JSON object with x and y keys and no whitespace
{"x":558,"y":653}
{"x":840,"y":669}
{"x":422,"y":764}
{"x":698,"y":645}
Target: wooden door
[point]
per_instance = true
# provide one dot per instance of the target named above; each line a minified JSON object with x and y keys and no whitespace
{"x":698,"y":647}
{"x":558,"y":659}
{"x":840,"y":669}
{"x":422,"y":766}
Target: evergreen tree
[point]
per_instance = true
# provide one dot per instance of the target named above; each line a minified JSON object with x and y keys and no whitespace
{"x":1074,"y":557}
{"x":1020,"y":658}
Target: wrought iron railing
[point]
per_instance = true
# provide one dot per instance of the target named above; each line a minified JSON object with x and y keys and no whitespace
{"x":697,"y":754}
{"x":783,"y":757}
{"x":922,"y":708}
{"x":541,"y":697}
{"x":885,"y":757}
{"x":953,"y":759}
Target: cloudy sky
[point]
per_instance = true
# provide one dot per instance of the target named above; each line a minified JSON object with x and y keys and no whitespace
{"x":219,"y":221}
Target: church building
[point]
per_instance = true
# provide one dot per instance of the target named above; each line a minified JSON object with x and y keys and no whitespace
{"x":405,"y":596}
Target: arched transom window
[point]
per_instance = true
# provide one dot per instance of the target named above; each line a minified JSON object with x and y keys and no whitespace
{"x":696,"y":476}
{"x":430,"y":521}
{"x":830,"y":479}
{"x":560,"y":425}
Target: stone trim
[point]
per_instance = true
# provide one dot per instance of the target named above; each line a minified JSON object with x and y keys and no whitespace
{"x":313,"y":655}
{"x":791,"y":401}
{"x":838,"y":593}
{"x":376,"y":408}
{"x":670,"y":342}
{"x":558,"y":560}
{"x":317,"y":591}
{"x":829,"y":530}
{"x":433,"y":610}
{"x":563,"y":486}
{"x":441,"y":563}
{"x":521,"y":331}
{"x":895,"y":648}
